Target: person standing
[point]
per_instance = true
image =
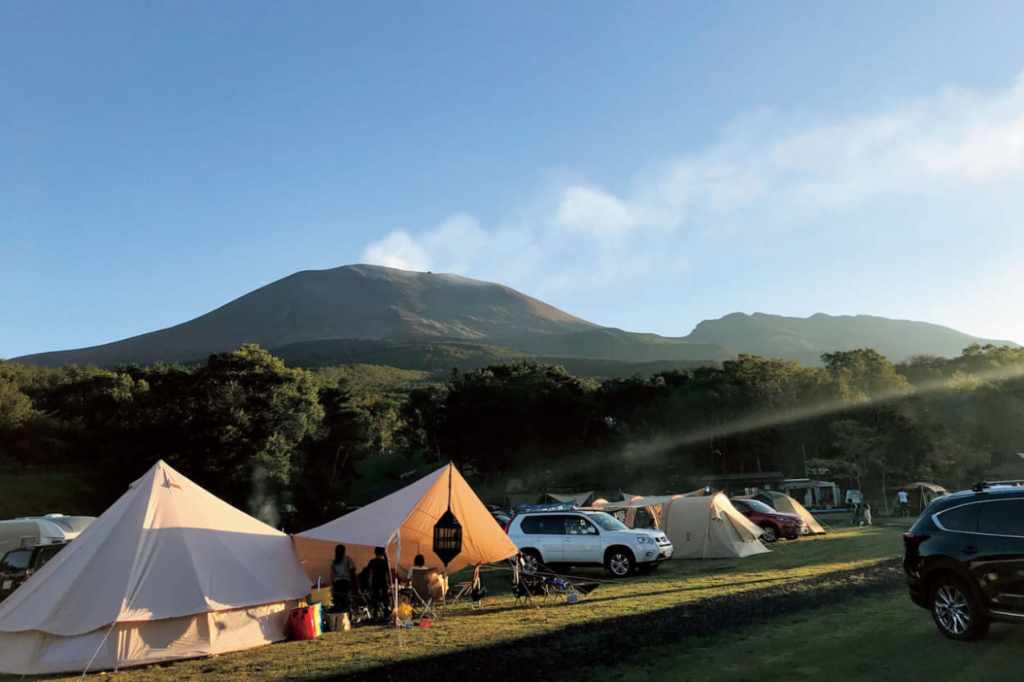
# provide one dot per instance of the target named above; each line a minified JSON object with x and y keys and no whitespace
{"x":903,"y":498}
{"x":343,"y":580}
{"x":379,"y":578}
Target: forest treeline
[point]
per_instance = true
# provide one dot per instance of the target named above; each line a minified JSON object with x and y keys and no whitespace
{"x":305,"y":443}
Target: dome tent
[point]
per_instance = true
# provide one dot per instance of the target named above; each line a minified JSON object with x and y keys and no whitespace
{"x":169,"y":571}
{"x":709,"y":527}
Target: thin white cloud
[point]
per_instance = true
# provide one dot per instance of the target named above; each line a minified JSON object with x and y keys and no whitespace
{"x":398,"y":249}
{"x":769,"y":171}
{"x":586,"y":209}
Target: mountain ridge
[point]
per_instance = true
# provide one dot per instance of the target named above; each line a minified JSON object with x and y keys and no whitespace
{"x":313,"y":313}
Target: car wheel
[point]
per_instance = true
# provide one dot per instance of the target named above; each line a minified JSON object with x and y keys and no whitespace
{"x":769,"y":534}
{"x":956,"y":611}
{"x":531,"y":562}
{"x":619,"y":563}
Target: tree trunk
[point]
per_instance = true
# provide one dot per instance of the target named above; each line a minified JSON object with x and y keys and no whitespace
{"x":885,"y":494}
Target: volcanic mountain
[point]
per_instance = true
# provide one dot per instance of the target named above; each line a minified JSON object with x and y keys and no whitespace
{"x":331,"y":312}
{"x":422,"y":320}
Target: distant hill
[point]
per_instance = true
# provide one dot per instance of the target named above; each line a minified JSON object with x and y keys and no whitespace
{"x":329,"y":316}
{"x":805,"y":339}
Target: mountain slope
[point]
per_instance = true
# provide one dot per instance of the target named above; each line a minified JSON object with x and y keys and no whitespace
{"x":364,"y":302}
{"x":805,"y":339}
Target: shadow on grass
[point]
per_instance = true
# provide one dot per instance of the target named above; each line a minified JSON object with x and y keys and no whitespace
{"x":607,"y":642}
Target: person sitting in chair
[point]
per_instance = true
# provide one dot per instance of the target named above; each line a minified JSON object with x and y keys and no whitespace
{"x":428,"y":582}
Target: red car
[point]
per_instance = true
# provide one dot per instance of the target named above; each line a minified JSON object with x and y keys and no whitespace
{"x":775,"y":524}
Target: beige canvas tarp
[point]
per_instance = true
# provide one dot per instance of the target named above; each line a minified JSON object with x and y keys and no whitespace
{"x":403,"y":523}
{"x":168,"y":571}
{"x":640,"y":511}
{"x":710,"y":528}
{"x":579,"y":499}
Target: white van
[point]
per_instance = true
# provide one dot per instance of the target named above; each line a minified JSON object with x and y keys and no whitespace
{"x":30,"y":531}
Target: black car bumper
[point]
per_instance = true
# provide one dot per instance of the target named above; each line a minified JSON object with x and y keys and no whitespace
{"x":918,"y":595}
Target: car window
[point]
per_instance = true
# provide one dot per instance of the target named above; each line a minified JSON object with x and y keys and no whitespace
{"x":740,"y":506}
{"x":46,"y":553}
{"x":963,"y":518}
{"x":607,"y":521}
{"x":1004,"y":517}
{"x":577,"y":525}
{"x":16,"y":560}
{"x":544,"y":525}
{"x":754,"y":505}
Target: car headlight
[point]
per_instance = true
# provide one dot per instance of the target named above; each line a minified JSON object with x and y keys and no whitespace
{"x":643,"y":539}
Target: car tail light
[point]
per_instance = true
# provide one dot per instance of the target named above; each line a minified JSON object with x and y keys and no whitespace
{"x":911,"y":541}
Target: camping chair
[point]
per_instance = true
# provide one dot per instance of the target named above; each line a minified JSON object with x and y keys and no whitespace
{"x":420,"y":591}
{"x":471,"y":587}
{"x":525,"y":587}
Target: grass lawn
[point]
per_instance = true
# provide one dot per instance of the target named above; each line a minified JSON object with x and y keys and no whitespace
{"x":39,"y":490}
{"x":882,"y":637}
{"x":677,"y":583}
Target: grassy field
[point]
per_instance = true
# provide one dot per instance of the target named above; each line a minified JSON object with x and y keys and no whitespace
{"x":505,"y":629}
{"x":875,"y":638}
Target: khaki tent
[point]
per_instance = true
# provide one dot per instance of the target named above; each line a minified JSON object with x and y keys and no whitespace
{"x":403,"y":523}
{"x":922,"y":494}
{"x":640,"y":511}
{"x":710,"y":528}
{"x":787,"y":505}
{"x":168,"y":572}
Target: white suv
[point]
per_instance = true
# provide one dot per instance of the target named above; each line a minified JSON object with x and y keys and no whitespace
{"x":587,"y":538}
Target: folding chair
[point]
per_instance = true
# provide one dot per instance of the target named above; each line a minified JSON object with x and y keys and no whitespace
{"x":469,"y":587}
{"x":524,"y":587}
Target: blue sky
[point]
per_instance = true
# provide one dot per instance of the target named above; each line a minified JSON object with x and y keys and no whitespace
{"x":643,"y":165}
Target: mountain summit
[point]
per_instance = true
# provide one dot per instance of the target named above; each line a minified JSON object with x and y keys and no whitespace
{"x":348,"y":302}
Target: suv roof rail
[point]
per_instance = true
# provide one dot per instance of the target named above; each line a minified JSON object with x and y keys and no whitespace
{"x":982,"y":486}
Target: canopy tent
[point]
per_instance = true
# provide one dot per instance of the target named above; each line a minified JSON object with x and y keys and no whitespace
{"x":922,"y":494}
{"x":787,"y":505}
{"x":403,"y":523}
{"x":169,"y":571}
{"x":709,"y":527}
{"x":579,"y":499}
{"x":813,"y":494}
{"x":640,"y":511}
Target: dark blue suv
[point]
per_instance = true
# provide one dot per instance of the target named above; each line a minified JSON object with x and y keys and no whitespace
{"x":964,"y":559}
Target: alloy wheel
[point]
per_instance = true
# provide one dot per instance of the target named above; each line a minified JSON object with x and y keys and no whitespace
{"x":952,"y":610}
{"x":619,"y":564}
